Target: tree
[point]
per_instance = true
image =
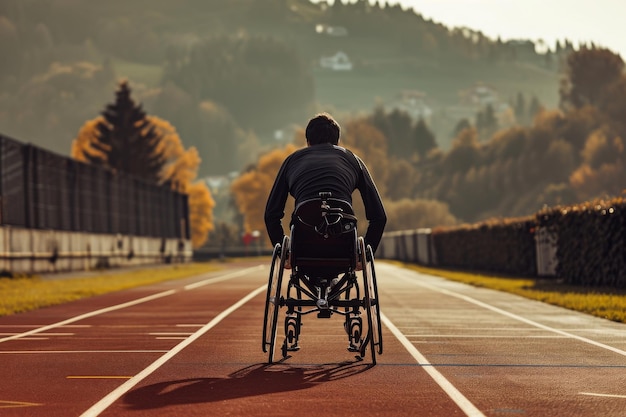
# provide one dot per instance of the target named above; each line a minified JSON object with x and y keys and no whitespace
{"x":465,"y":152}
{"x":486,"y":122}
{"x":178,"y":170}
{"x":252,"y":187}
{"x":424,"y":138}
{"x":370,"y":144}
{"x":590,"y":73}
{"x":397,"y":127}
{"x":125,"y":140}
{"x":520,"y":109}
{"x":461,"y":126}
{"x":412,"y":214}
{"x":261,"y":81}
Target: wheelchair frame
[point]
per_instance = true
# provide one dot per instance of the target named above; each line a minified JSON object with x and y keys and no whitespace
{"x":325,"y":296}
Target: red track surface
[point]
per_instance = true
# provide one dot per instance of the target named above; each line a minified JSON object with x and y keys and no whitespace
{"x":450,"y":350}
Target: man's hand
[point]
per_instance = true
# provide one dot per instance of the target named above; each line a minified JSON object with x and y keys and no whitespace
{"x":359,"y":266}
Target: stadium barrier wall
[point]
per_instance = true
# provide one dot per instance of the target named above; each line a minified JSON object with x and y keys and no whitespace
{"x":46,"y":251}
{"x":59,"y":214}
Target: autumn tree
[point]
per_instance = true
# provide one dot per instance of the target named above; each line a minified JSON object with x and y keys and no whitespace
{"x":252,"y":188}
{"x":369,"y":143}
{"x":406,"y":214}
{"x":125,"y":140}
{"x":590,"y":73}
{"x":614,"y":106}
{"x":465,"y":151}
{"x":178,"y":166}
{"x":603,"y":170}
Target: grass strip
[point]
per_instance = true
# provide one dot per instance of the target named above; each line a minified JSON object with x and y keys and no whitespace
{"x":607,"y":303}
{"x":27,"y":293}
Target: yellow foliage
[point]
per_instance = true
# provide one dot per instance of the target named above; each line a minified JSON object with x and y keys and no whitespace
{"x":181,"y":169}
{"x":200,"y":213}
{"x":182,"y":166}
{"x":370,"y":144}
{"x":83,"y":144}
{"x":252,"y":188}
{"x":417,"y":213}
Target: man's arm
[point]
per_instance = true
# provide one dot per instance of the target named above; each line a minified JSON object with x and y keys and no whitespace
{"x":275,"y":207}
{"x":374,"y":209}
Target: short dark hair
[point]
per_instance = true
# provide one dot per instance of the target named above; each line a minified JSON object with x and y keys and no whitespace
{"x":323,"y":129}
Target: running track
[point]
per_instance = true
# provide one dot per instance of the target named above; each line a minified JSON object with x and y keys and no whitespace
{"x":193,"y":348}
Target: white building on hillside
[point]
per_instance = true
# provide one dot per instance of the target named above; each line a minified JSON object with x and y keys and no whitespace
{"x":412,"y":102}
{"x":337,"y":62}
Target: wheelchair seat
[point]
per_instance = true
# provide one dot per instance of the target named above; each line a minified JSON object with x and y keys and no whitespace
{"x":323,"y":238}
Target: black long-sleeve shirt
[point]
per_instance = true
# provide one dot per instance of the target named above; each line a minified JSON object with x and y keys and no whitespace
{"x":324,"y":167}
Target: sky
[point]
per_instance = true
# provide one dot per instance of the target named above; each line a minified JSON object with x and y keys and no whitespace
{"x":602,"y":22}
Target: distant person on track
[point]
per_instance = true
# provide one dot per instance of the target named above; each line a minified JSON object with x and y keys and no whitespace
{"x":324,"y":166}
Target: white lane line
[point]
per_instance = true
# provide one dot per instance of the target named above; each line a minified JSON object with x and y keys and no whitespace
{"x":512,"y":315}
{"x":124,"y":305}
{"x":482,"y":336}
{"x":602,"y":395}
{"x":114,"y":395}
{"x":41,"y":334}
{"x":222,"y":278}
{"x":464,"y":404}
{"x":170,"y":333}
{"x":90,"y":314}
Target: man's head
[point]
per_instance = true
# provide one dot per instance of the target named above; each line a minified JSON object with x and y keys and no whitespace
{"x":322,"y":129}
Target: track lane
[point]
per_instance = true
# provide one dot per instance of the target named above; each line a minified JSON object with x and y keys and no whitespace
{"x":509,"y":355}
{"x":103,"y":350}
{"x":500,"y":364}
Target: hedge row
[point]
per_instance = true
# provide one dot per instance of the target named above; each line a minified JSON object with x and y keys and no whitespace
{"x":591,"y":241}
{"x":591,"y":244}
{"x":503,"y":246}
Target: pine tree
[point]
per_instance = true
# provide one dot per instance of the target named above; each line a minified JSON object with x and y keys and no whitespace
{"x":126,"y":140}
{"x":424,"y":138}
{"x":178,"y":170}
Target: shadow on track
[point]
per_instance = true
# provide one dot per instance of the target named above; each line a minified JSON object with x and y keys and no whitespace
{"x":258,"y":379}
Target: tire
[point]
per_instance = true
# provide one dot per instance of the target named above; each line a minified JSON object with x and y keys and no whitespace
{"x":272,"y":301}
{"x":372,"y":326}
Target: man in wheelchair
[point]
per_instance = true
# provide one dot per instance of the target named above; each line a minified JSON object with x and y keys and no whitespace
{"x":323,"y":166}
{"x":323,"y":249}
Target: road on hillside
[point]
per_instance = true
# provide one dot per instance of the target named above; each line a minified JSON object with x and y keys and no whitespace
{"x":192,"y":347}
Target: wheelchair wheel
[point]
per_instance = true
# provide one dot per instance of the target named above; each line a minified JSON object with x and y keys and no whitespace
{"x":293,"y":321}
{"x":272,"y":301}
{"x":370,"y":304}
{"x":373,"y":290}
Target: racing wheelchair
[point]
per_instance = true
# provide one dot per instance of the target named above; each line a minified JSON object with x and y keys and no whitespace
{"x":331,"y":272}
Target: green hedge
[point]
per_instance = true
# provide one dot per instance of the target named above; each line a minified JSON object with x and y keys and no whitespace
{"x":503,"y":246}
{"x":591,"y":242}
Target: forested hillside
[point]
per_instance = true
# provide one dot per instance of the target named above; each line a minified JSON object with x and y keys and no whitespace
{"x":245,"y":66}
{"x":455,"y":126}
{"x":567,"y":155}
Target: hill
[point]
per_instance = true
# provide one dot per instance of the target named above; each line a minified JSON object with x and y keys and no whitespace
{"x":69,"y":53}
